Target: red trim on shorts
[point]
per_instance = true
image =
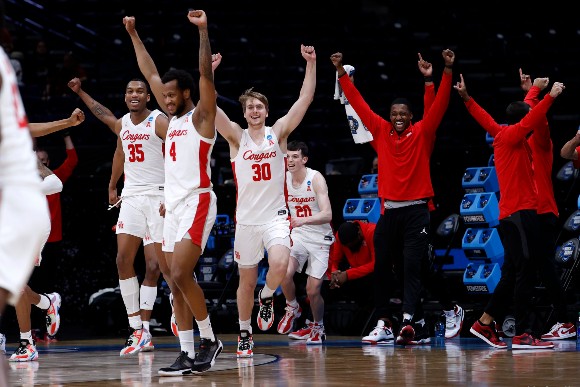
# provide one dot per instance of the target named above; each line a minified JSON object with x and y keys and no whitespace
{"x":198,"y":225}
{"x":236,"y":184}
{"x":204,"y":179}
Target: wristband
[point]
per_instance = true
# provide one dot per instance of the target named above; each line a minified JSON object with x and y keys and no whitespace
{"x":428,"y":79}
{"x":448,"y":66}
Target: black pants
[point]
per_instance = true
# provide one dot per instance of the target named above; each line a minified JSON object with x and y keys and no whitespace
{"x":401,"y":242}
{"x":519,"y":234}
{"x":549,"y":275}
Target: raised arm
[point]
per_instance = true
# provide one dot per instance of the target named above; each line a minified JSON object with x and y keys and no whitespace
{"x":206,"y":108}
{"x":38,"y":129}
{"x":426,"y":68}
{"x":145,"y":62}
{"x":286,"y":124}
{"x":116,"y":172}
{"x":228,"y":129}
{"x":100,"y":111}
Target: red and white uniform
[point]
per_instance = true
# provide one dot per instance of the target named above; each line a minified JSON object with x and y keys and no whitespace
{"x":261,"y":210}
{"x":144,"y":179}
{"x":310,"y":242}
{"x":24,"y":215}
{"x":190,"y":203}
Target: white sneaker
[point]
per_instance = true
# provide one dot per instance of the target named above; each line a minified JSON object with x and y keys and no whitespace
{"x":453,"y":321}
{"x":136,"y":341}
{"x":52,"y":314}
{"x":2,"y":343}
{"x":381,"y":334}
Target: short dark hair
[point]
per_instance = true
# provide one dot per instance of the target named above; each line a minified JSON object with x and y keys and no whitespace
{"x":184,"y":80}
{"x":516,"y":111}
{"x":402,"y":101}
{"x":142,"y":81}
{"x":298,"y":146}
{"x":348,"y":233}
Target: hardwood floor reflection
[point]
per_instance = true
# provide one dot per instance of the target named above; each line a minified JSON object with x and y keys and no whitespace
{"x":341,"y":361}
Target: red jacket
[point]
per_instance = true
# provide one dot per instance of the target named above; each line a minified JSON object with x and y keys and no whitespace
{"x":513,"y":156}
{"x":363,"y":261}
{"x":404,"y":160}
{"x":63,"y":172}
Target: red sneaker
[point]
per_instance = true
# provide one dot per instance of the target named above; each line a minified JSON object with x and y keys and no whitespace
{"x":560,"y":331}
{"x":526,"y":341}
{"x":488,"y":334}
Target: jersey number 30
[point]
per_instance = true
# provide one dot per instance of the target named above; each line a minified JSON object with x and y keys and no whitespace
{"x":261,"y":172}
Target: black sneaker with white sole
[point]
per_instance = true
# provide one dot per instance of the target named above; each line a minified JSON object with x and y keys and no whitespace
{"x":208,"y":352}
{"x":182,"y":366}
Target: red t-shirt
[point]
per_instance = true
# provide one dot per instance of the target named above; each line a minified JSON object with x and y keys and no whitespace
{"x":363,"y":261}
{"x":543,"y":159}
{"x":63,"y":172}
{"x":404,"y":160}
{"x":513,"y":156}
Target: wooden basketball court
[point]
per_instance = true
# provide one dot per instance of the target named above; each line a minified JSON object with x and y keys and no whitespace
{"x":278,"y":361}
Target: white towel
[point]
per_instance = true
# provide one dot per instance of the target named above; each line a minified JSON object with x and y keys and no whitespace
{"x":359,"y":131}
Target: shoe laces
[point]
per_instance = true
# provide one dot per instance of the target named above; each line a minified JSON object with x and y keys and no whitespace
{"x":290,"y":310}
{"x":130,"y":339}
{"x":245,"y":343}
{"x":556,"y":327}
{"x":204,"y":348}
{"x":181,"y":358}
{"x":266,"y":311}
{"x":21,"y":350}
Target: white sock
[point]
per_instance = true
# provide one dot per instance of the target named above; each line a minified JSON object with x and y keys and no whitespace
{"x":246,"y":325}
{"x":147,"y":297}
{"x":293,"y":303}
{"x":135,"y":322}
{"x":205,"y":329}
{"x":26,"y":336}
{"x":267,"y":292}
{"x":130,"y":294}
{"x":44,"y":303}
{"x":146,"y":325}
{"x":187,"y":343}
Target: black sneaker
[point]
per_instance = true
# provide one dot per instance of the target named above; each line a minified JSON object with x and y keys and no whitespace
{"x":182,"y":366}
{"x":421,"y":334}
{"x":205,"y":358}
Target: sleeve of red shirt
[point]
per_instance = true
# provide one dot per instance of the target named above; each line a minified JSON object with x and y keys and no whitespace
{"x":534,"y":119}
{"x":432,"y":118}
{"x":428,"y":98}
{"x":336,"y":255}
{"x":370,"y":119}
{"x":65,"y":170}
{"x":541,"y":136}
{"x":531,"y":97}
{"x":482,"y":117}
{"x":353,"y":273}
{"x":576,"y":163}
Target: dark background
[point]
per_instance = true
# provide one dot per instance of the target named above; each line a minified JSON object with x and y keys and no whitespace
{"x":260,"y":43}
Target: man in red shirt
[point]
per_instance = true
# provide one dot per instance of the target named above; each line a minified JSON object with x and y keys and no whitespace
{"x":543,"y":159}
{"x":518,"y":226}
{"x":402,"y":233}
{"x":63,"y":172}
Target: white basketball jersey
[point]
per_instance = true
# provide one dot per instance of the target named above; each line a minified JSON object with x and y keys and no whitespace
{"x":17,"y":158}
{"x":144,"y":172}
{"x":260,"y":176}
{"x":187,"y":160}
{"x":302,"y":203}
